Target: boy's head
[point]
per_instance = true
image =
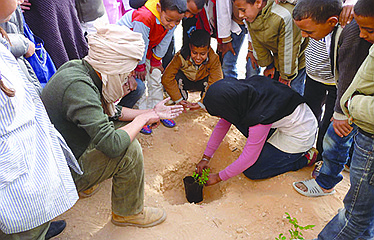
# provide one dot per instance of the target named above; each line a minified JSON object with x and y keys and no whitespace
{"x":194,"y":7}
{"x":364,"y":15}
{"x":199,"y":46}
{"x":171,"y":12}
{"x":249,"y":9}
{"x":317,"y":18}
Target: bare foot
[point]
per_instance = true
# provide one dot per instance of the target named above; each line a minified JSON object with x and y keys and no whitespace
{"x":303,"y":188}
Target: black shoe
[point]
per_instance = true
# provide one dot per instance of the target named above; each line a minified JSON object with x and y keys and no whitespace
{"x":55,"y":228}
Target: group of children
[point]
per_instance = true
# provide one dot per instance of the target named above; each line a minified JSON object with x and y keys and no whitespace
{"x":279,"y":34}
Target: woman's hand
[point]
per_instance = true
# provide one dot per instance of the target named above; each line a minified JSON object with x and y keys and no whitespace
{"x":203,"y":164}
{"x":167,"y":112}
{"x":213,"y":179}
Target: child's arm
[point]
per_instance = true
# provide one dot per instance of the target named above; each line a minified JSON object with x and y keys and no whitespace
{"x":289,"y":47}
{"x":140,"y":71}
{"x":160,"y":50}
{"x":168,"y":78}
{"x":264,"y":56}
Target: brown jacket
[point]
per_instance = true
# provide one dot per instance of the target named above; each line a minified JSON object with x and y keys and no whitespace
{"x":211,"y":68}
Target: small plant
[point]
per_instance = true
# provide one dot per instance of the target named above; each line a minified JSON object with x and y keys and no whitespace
{"x":296,"y":232}
{"x":203,"y":178}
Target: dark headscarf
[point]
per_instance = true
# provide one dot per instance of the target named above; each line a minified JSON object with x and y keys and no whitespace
{"x":256,"y":100}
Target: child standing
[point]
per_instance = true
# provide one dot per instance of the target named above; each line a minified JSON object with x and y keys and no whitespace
{"x":195,"y":67}
{"x":319,"y":19}
{"x":156,"y":21}
{"x":276,"y":40}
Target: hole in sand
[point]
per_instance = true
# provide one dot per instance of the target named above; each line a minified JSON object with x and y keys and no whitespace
{"x":173,"y":188}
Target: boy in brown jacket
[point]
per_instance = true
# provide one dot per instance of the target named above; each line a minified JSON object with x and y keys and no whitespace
{"x":195,"y":67}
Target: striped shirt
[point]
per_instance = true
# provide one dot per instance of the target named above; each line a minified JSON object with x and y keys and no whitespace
{"x":318,"y":66}
{"x":35,"y":180}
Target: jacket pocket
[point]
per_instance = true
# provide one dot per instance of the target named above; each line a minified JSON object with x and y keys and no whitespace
{"x":12,"y":162}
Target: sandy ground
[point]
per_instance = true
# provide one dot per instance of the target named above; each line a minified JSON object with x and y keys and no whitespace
{"x":236,"y":209}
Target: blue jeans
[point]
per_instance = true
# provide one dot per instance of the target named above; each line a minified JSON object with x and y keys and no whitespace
{"x":335,"y":155}
{"x":356,"y":220}
{"x":130,"y":99}
{"x":250,"y":71}
{"x":273,"y":162}
{"x":298,"y":83}
{"x":229,"y":60}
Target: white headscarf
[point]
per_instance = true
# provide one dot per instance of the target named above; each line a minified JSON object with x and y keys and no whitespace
{"x":114,"y":51}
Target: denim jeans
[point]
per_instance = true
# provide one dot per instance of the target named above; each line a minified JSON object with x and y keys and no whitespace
{"x":298,"y":83}
{"x":250,"y":71}
{"x":356,"y":219}
{"x":273,"y":162}
{"x":229,"y":60}
{"x":316,"y":95}
{"x":334,"y":156}
{"x":130,"y":99}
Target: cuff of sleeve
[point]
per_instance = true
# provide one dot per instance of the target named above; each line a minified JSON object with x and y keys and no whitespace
{"x":155,"y":62}
{"x":222,"y":174}
{"x":339,"y":116}
{"x":140,"y":68}
{"x":227,"y":39}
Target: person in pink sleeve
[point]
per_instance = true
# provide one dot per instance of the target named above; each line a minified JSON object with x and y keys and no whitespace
{"x":279,"y":126}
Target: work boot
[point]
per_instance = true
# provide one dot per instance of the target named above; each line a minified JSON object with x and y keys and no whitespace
{"x":149,"y":217}
{"x":89,"y":192}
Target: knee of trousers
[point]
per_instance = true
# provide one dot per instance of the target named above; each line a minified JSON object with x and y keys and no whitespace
{"x":133,"y":157}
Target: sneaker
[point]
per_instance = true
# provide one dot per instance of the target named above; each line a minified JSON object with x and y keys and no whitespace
{"x":149,"y":217}
{"x":146,"y":130}
{"x":170,"y":123}
{"x":89,"y":192}
{"x":55,"y":228}
{"x":316,"y":169}
{"x":311,"y":155}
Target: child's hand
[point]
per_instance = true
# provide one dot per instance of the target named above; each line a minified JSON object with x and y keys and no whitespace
{"x":285,"y":82}
{"x":341,"y":127}
{"x":30,"y":50}
{"x":269,"y":72}
{"x":225,"y":47}
{"x":160,"y":67}
{"x":141,"y":75}
{"x":253,"y":59}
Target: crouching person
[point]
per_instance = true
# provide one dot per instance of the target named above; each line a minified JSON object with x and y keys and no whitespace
{"x":195,"y":67}
{"x":80,"y":98}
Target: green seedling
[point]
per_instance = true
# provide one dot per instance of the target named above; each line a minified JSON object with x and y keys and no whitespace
{"x":203,"y":178}
{"x":295,"y":233}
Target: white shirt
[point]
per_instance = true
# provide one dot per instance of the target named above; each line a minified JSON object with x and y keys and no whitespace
{"x":35,"y":181}
{"x":296,"y":132}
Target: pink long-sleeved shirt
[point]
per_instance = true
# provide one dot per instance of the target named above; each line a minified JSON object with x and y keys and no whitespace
{"x":256,"y":139}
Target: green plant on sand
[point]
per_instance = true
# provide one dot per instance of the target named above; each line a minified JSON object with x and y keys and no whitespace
{"x":203,"y":178}
{"x":295,"y":233}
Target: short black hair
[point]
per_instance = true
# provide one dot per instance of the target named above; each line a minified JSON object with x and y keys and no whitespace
{"x":318,"y":10}
{"x":200,"y":38}
{"x":174,"y":5}
{"x":199,"y":3}
{"x":364,"y":8}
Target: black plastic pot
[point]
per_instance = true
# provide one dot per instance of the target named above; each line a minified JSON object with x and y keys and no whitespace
{"x":194,"y":192}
